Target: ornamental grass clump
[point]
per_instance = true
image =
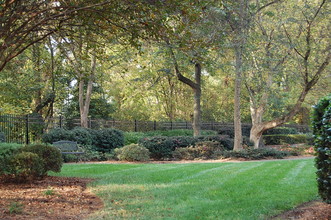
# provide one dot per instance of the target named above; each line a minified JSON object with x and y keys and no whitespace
{"x":321,"y":122}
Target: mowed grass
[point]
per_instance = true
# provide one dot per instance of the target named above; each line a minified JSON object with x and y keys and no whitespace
{"x":244,"y":190}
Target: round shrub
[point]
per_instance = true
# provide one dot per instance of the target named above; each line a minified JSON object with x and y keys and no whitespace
{"x":81,"y":136}
{"x":321,"y":123}
{"x":132,"y":152}
{"x":107,"y":139}
{"x":51,"y":157}
{"x":57,"y":134}
{"x":26,"y":166}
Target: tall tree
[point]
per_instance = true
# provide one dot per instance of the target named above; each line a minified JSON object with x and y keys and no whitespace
{"x":308,"y":53}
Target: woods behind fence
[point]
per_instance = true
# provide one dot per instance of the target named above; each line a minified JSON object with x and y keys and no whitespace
{"x":29,"y":128}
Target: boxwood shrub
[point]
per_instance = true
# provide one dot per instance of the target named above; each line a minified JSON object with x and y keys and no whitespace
{"x":321,"y":123}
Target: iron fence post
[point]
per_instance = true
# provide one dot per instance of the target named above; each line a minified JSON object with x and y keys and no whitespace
{"x":27,"y":129}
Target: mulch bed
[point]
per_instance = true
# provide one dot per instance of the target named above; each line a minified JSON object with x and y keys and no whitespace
{"x":51,"y":198}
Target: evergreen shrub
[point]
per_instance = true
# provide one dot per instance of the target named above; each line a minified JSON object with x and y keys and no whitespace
{"x":229,"y":130}
{"x":321,"y":123}
{"x":2,"y":137}
{"x":26,"y":166}
{"x":51,"y":156}
{"x":132,"y":152}
{"x":281,"y":130}
{"x":280,"y":139}
{"x":160,"y":147}
{"x":57,"y":134}
{"x":105,"y":140}
{"x":257,"y":154}
{"x":7,"y":151}
{"x":81,"y":135}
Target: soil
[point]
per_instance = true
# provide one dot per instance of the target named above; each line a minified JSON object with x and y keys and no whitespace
{"x":56,"y":198}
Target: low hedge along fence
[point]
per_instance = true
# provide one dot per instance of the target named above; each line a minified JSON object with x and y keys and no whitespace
{"x":281,"y":139}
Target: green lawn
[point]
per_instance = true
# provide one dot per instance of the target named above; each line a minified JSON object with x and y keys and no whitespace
{"x":245,"y":190}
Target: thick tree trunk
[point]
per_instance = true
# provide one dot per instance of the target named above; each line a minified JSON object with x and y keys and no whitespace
{"x":197,"y":102}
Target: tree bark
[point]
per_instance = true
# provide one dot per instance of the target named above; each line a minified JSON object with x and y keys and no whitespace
{"x":84,"y":102}
{"x":237,"y":114}
{"x":196,"y":86}
{"x":197,"y":102}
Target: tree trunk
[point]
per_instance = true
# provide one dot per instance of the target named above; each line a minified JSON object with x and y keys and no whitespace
{"x":197,"y":102}
{"x":237,"y":115}
{"x":84,"y":103}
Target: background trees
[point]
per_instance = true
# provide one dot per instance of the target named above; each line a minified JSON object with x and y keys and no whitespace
{"x":256,"y":57}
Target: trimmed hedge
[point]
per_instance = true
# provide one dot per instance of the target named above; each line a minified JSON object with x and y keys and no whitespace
{"x":321,"y":123}
{"x":281,"y":139}
{"x":281,"y":130}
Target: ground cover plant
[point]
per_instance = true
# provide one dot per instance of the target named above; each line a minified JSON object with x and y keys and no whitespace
{"x":246,"y":190}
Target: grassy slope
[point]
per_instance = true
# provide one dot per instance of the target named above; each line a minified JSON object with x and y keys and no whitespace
{"x":247,"y":190}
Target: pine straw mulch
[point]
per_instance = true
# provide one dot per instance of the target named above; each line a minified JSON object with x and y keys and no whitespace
{"x":52,"y":198}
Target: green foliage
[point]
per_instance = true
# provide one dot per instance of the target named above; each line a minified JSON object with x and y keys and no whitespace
{"x":2,"y":137}
{"x":26,"y":166}
{"x":257,"y":154}
{"x":15,"y":208}
{"x":29,"y":162}
{"x":281,"y":130}
{"x":132,"y":152}
{"x":160,"y":147}
{"x":321,"y":123}
{"x":230,"y":131}
{"x":224,"y":140}
{"x":105,"y":140}
{"x":134,"y":137}
{"x":51,"y":156}
{"x":201,"y":150}
{"x":286,"y":139}
{"x":57,"y":134}
{"x":7,"y":151}
{"x":81,"y":135}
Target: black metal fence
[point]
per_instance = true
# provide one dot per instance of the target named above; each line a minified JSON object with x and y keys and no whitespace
{"x":30,"y":128}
